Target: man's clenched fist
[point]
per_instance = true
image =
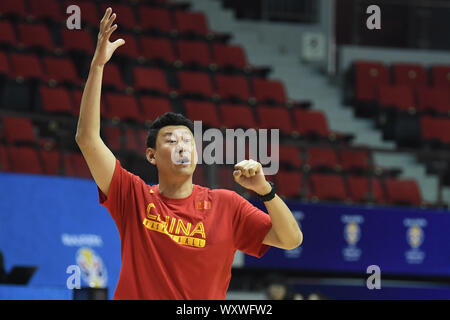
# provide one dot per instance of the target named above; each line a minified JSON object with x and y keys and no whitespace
{"x":249,"y":174}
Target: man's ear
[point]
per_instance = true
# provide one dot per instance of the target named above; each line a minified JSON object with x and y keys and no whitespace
{"x":150,"y":155}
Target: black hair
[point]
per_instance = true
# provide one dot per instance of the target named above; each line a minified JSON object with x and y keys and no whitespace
{"x":167,"y":119}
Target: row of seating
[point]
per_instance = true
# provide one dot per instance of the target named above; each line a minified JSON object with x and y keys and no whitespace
{"x":410,"y":87}
{"x":169,"y":19}
{"x":330,"y":187}
{"x":35,"y":36}
{"x":295,"y":123}
{"x":201,"y":84}
{"x":22,"y":131}
{"x":320,"y":187}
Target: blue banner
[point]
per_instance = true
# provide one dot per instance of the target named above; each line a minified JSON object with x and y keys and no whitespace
{"x":343,"y":238}
{"x":57,"y":224}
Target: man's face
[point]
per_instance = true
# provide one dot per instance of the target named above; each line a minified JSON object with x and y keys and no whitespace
{"x":175,"y":152}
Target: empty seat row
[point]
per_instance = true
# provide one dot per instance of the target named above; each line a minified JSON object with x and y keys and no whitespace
{"x":123,"y":107}
{"x":435,"y":130}
{"x":25,"y":159}
{"x":334,"y":187}
{"x":144,"y":17}
{"x":324,"y":187}
{"x":368,"y":82}
{"x":306,"y":123}
{"x":31,"y":35}
{"x":425,"y":99}
{"x":62,"y":69}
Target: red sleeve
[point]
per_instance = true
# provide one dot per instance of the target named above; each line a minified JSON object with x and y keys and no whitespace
{"x":121,"y":189}
{"x":250,"y":227}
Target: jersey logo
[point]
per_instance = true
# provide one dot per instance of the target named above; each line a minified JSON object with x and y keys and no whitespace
{"x":175,"y":228}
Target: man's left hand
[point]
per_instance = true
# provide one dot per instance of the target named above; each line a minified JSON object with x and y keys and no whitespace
{"x":249,"y":174}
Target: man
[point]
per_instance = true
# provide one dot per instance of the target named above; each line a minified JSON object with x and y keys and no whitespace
{"x":178,"y":239}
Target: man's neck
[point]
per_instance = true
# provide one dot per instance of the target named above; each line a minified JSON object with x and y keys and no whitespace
{"x":175,"y":189}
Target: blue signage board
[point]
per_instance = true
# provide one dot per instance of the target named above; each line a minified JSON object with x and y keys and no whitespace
{"x":344,"y":238}
{"x":57,"y":224}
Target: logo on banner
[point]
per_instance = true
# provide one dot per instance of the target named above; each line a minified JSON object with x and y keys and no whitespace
{"x":93,"y":271}
{"x":352,"y":235}
{"x":295,"y":253}
{"x":415,"y":236}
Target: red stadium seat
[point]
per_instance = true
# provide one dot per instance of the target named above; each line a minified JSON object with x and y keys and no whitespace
{"x":191,"y":22}
{"x":24,"y":160}
{"x":194,"y":52}
{"x":232,"y":87}
{"x":77,"y":40}
{"x":4,"y":162}
{"x":153,"y":107}
{"x":26,"y":66}
{"x":329,"y":187}
{"x":141,"y":136}
{"x":7,"y":33}
{"x":131,"y":47}
{"x":125,"y":14}
{"x":113,"y":77}
{"x":56,"y":100}
{"x":358,"y":189}
{"x":113,"y":137}
{"x":289,"y":183}
{"x":50,"y":9}
{"x":89,"y":11}
{"x":274,"y":118}
{"x":237,"y":116}
{"x":122,"y":107}
{"x":269,"y":91}
{"x":322,"y":159}
{"x":51,"y":161}
{"x":61,"y":70}
{"x":311,"y":123}
{"x":4,"y":64}
{"x":202,"y":111}
{"x":435,"y":129}
{"x":17,"y":129}
{"x":369,"y":76}
{"x":195,"y":83}
{"x":412,"y":75}
{"x":35,"y":35}
{"x":75,"y":166}
{"x":403,"y":191}
{"x":400,"y":97}
{"x":13,"y":7}
{"x":434,"y":98}
{"x":150,"y":79}
{"x":354,"y":160}
{"x":441,"y":76}
{"x":158,"y":49}
{"x":76,"y":96}
{"x":131,"y":141}
{"x":157,"y":19}
{"x":229,"y":56}
{"x":290,"y":155}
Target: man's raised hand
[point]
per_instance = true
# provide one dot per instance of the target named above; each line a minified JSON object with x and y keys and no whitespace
{"x":249,"y":174}
{"x":105,"y":48}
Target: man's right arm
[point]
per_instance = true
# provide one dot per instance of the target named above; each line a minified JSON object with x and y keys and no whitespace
{"x":100,"y":160}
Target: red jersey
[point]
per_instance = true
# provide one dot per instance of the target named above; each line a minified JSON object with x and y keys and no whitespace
{"x":180,"y":248}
